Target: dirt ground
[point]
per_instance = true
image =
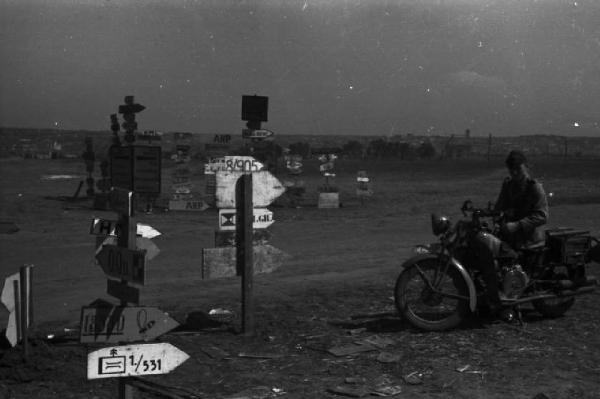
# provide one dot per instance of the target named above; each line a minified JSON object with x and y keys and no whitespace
{"x":335,"y":290}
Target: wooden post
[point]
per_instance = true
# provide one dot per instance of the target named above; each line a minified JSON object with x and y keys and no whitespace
{"x":244,"y":253}
{"x":126,"y":239}
{"x":23,"y":279}
{"x":17,"y":293}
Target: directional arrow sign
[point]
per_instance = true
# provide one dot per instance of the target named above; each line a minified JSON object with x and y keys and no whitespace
{"x":123,"y":263}
{"x":131,"y":360}
{"x":263,"y":218}
{"x":265,"y":188}
{"x":112,"y":324}
{"x":104,"y":227}
{"x":8,"y":300}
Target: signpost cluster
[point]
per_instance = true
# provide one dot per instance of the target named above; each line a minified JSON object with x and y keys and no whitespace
{"x":123,"y":255}
{"x":363,"y":188}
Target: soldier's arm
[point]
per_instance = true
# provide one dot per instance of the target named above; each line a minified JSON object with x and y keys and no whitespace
{"x":539,"y":210}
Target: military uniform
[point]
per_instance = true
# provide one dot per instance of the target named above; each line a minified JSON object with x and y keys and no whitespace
{"x":526,"y":205}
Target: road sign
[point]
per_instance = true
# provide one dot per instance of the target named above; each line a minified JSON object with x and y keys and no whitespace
{"x":123,"y":263}
{"x":8,"y":300}
{"x":105,"y":227}
{"x":265,"y":188}
{"x":121,"y":167}
{"x":256,"y":134}
{"x":221,"y":262}
{"x":113,"y":324}
{"x":122,"y":291}
{"x":132,"y":360}
{"x":263,"y":218}
{"x":183,"y":205}
{"x":233,"y":163}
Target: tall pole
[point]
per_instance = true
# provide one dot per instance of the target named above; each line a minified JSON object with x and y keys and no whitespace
{"x":244,"y":252}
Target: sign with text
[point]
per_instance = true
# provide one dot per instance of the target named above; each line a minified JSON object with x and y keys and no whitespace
{"x":233,"y":163}
{"x":263,"y":218}
{"x":188,"y":205}
{"x":256,"y":134}
{"x":132,"y":360}
{"x":266,"y":188}
{"x":123,"y":263}
{"x":113,"y":324}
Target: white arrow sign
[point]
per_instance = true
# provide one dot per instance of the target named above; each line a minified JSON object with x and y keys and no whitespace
{"x":266,"y":188}
{"x":140,"y":243}
{"x":263,"y":218}
{"x":131,"y":360}
{"x":104,"y":227}
{"x":8,"y":299}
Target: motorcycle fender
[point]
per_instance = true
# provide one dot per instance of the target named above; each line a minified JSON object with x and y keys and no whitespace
{"x":461,"y":269}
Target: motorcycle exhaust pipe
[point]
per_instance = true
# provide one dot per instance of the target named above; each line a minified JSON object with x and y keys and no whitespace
{"x":578,"y":291}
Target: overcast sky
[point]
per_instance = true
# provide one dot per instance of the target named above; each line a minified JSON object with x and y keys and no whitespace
{"x":328,"y":67}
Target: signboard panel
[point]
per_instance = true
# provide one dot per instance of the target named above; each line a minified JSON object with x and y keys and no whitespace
{"x":256,"y":134}
{"x":123,"y":263}
{"x":132,"y":360}
{"x":233,"y":163}
{"x":221,"y":262}
{"x":136,"y":168}
{"x":263,"y":218}
{"x":113,"y":324}
{"x":146,"y":169}
{"x":265,"y":188}
{"x":121,"y":167}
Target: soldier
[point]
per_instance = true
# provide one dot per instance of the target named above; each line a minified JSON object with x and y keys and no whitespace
{"x":524,"y":204}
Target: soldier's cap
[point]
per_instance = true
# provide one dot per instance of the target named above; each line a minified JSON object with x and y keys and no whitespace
{"x":515,"y":159}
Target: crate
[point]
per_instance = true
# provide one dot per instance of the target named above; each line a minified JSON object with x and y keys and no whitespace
{"x":567,"y":246}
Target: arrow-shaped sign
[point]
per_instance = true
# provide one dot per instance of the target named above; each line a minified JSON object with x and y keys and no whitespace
{"x":131,"y":360}
{"x":263,"y":218}
{"x":266,"y":188}
{"x":233,"y":163}
{"x":104,"y":227}
{"x":112,"y":324}
{"x":8,"y":300}
{"x":123,"y":263}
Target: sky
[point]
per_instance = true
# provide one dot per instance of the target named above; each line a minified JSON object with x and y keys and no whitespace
{"x":364,"y":67}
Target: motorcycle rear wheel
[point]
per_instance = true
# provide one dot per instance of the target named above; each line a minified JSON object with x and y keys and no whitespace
{"x":425,"y":308}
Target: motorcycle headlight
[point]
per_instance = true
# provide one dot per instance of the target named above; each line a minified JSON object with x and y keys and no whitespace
{"x":439,"y":224}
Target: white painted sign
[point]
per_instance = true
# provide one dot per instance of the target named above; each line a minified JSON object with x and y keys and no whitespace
{"x":132,"y":360}
{"x":263,"y":218}
{"x":266,"y":188}
{"x":233,"y":163}
{"x":256,"y":134}
{"x":8,"y":300}
{"x":104,"y":227}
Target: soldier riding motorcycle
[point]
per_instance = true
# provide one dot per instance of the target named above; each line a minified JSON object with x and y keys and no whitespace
{"x":520,"y":211}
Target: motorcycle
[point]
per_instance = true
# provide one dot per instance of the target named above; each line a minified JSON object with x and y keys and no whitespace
{"x":440,"y":285}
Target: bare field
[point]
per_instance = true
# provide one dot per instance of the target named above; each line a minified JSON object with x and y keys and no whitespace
{"x":343,"y":264}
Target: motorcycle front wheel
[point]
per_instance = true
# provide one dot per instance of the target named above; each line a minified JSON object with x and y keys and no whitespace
{"x":432,"y":296}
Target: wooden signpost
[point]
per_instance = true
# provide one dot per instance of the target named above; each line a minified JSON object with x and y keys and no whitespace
{"x":123,"y":255}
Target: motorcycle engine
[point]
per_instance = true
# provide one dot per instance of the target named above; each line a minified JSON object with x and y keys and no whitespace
{"x":514,"y":281}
